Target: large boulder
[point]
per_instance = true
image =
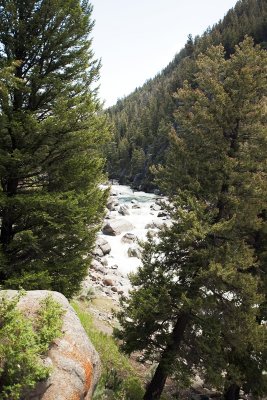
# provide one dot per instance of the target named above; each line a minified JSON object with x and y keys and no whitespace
{"x":74,"y":361}
{"x":129,"y":238}
{"x":116,"y":227}
{"x":104,"y":245}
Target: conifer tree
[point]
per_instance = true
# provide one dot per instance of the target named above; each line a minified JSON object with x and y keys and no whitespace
{"x":50,"y":133}
{"x":196,"y":302}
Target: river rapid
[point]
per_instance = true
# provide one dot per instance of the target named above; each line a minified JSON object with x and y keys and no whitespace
{"x":130,"y":216}
{"x":140,"y":218}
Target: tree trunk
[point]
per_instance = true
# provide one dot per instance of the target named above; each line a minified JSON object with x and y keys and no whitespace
{"x":157,"y":383}
{"x":232,"y":393}
{"x":6,"y":234}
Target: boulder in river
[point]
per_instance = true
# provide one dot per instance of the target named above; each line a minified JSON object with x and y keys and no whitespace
{"x":123,"y":210}
{"x":97,"y":252}
{"x":136,"y":206}
{"x":134,"y":252}
{"x":116,"y":227}
{"x":155,"y":207}
{"x":129,"y":238}
{"x":104,"y":245}
{"x":112,"y":204}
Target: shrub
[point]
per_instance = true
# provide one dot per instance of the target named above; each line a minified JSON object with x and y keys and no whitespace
{"x":23,"y":342}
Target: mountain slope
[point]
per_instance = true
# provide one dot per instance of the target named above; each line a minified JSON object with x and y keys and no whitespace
{"x":143,"y":119}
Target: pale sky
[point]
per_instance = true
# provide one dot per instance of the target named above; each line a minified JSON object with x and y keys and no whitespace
{"x":136,"y":39}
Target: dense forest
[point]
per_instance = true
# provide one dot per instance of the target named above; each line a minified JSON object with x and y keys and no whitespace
{"x":144,"y":119}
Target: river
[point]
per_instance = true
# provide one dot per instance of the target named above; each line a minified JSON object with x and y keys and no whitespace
{"x":114,"y":256}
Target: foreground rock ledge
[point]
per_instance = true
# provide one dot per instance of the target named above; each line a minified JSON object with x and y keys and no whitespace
{"x":75,"y":362}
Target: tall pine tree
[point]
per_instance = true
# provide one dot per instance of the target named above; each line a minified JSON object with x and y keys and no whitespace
{"x":51,"y":130}
{"x":196,"y":302}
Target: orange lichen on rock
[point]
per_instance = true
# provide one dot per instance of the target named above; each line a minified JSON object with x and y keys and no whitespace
{"x":74,"y":354}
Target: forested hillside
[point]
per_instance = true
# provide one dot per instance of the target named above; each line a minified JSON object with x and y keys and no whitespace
{"x":144,"y":119}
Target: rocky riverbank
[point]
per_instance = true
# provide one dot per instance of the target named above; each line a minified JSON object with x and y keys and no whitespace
{"x":130,"y":216}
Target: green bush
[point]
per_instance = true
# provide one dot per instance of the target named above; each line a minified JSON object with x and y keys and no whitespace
{"x":118,"y":380}
{"x":23,"y":342}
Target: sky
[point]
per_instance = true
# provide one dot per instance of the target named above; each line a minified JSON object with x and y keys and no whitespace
{"x":136,"y":39}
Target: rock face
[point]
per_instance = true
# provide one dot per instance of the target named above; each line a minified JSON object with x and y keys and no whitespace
{"x":116,"y":227}
{"x":75,"y":363}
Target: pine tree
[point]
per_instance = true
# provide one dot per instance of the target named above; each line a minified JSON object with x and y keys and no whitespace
{"x":50,"y":133}
{"x":196,"y":302}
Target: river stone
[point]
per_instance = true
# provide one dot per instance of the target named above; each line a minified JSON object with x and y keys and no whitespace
{"x":123,"y":210}
{"x":116,"y":227}
{"x":75,"y":362}
{"x":155,"y":207}
{"x":162,"y":214}
{"x":104,"y":245}
{"x":134,"y":252}
{"x":108,"y":282}
{"x":136,"y":206}
{"x":97,"y":252}
{"x":129,"y":238}
{"x":97,"y":266}
{"x":112,"y":204}
{"x":104,"y":261}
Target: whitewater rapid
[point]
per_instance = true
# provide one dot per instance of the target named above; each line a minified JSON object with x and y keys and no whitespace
{"x":138,"y":217}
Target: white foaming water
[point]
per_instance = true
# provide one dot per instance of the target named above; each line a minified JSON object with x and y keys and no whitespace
{"x":139,"y":218}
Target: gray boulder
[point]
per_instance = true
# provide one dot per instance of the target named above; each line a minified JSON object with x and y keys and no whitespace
{"x":123,"y":210}
{"x":134,"y":252}
{"x":104,"y":245}
{"x":129,"y":238}
{"x":112,"y":204}
{"x":155,"y":207}
{"x":97,"y":252}
{"x":75,"y":364}
{"x":98,"y":267}
{"x":116,"y":227}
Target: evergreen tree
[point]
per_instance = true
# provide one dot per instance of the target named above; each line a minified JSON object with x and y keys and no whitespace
{"x":51,"y":129}
{"x":196,"y":302}
{"x":151,"y":106}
